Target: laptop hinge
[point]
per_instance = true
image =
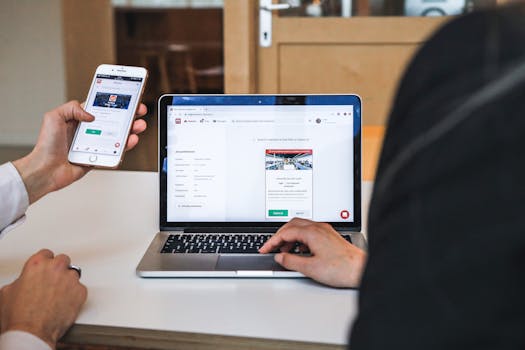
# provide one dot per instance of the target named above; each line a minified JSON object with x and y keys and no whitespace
{"x":230,"y":229}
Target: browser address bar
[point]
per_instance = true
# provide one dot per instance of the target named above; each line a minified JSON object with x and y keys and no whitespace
{"x":269,"y":121}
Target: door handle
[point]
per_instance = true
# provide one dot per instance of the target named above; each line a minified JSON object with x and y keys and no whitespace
{"x":275,"y":7}
{"x":265,"y":20}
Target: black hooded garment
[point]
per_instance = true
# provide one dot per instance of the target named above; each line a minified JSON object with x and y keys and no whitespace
{"x":446,"y":267}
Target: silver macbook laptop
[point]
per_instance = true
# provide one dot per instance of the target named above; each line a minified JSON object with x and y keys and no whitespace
{"x":233,"y":169}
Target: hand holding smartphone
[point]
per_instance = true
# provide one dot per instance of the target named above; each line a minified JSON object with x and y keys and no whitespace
{"x":113,"y":99}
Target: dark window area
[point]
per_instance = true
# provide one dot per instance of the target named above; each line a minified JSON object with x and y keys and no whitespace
{"x":181,"y":48}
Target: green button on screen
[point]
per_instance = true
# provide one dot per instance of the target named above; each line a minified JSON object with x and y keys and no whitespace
{"x":281,"y":212}
{"x":93,"y":131}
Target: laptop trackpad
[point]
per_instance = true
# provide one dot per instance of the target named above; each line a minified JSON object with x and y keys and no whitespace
{"x":251,"y":263}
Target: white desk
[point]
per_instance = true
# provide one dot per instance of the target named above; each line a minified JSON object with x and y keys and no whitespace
{"x":105,"y":223}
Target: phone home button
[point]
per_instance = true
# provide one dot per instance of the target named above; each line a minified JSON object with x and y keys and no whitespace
{"x":93,"y":159}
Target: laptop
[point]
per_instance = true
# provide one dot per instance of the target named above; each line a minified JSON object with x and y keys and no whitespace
{"x":234,"y":168}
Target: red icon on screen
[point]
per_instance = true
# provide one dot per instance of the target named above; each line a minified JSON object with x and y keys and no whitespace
{"x":345,"y":214}
{"x":117,"y":145}
{"x":177,"y":120}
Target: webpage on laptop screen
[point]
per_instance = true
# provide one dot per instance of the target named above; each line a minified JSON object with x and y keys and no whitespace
{"x":260,"y":163}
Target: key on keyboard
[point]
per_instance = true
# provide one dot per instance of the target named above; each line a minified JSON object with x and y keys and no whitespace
{"x":221,"y":243}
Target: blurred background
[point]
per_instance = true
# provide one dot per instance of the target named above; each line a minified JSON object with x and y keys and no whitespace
{"x":49,"y":50}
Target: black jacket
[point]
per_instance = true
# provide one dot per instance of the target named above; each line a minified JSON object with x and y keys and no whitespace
{"x":446,"y":267}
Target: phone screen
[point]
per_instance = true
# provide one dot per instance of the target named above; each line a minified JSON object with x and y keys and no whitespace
{"x":112,"y":101}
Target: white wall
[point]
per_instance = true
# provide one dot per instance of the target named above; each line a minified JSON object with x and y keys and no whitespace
{"x":32,"y":78}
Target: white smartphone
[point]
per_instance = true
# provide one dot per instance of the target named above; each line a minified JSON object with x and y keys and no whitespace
{"x":113,"y":99}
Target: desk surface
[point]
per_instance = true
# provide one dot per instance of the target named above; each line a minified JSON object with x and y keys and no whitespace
{"x":106,"y":221}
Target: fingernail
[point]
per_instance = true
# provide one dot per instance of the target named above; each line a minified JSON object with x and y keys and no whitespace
{"x":278,"y":258}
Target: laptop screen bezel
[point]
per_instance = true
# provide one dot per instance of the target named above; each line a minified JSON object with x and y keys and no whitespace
{"x":167,"y":100}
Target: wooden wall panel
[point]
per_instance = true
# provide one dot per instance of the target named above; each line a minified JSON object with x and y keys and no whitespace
{"x":365,"y":55}
{"x":368,"y":70}
{"x":240,"y":36}
{"x":89,"y":40}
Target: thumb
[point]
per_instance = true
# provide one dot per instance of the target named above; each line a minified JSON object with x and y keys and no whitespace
{"x":74,"y":111}
{"x":294,"y":262}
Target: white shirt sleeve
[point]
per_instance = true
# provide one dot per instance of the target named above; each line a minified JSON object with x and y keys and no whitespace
{"x":14,"y":199}
{"x":13,"y":204}
{"x":18,"y":340}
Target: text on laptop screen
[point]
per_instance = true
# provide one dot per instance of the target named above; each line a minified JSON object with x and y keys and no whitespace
{"x":259,"y":162}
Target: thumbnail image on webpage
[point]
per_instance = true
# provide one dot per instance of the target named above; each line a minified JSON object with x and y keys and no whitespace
{"x":103,"y":99}
{"x":289,"y":178}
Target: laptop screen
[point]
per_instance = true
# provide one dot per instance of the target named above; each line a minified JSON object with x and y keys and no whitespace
{"x":255,"y":160}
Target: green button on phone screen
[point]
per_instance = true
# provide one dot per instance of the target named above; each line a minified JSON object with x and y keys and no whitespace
{"x":93,"y":131}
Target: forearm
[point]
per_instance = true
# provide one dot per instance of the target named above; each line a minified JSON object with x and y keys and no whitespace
{"x":36,"y":177}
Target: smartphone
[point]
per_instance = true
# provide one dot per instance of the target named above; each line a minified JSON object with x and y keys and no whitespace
{"x":113,"y":99}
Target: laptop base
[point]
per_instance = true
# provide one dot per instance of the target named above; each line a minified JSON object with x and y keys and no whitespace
{"x":157,"y":264}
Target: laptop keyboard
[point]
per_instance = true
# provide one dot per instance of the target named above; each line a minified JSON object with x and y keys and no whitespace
{"x":240,"y":243}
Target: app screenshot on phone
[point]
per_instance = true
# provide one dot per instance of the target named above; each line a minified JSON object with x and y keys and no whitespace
{"x":111,"y":102}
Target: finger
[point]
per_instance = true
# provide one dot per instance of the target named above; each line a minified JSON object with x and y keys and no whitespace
{"x":297,"y":222}
{"x":37,"y":258}
{"x":286,"y":247}
{"x":73,"y":111}
{"x":133,"y":140}
{"x":62,"y":261}
{"x":83,"y":293}
{"x":139,"y":126}
{"x":295,"y":233}
{"x":74,"y":274}
{"x":44,"y":253}
{"x":294,"y":262}
{"x":4,"y":291}
{"x":303,"y":248}
{"x":142,"y":110}
{"x":276,"y":241}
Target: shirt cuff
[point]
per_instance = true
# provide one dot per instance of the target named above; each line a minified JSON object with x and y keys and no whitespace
{"x":15,"y":199}
{"x":20,"y":340}
{"x":11,"y":227}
